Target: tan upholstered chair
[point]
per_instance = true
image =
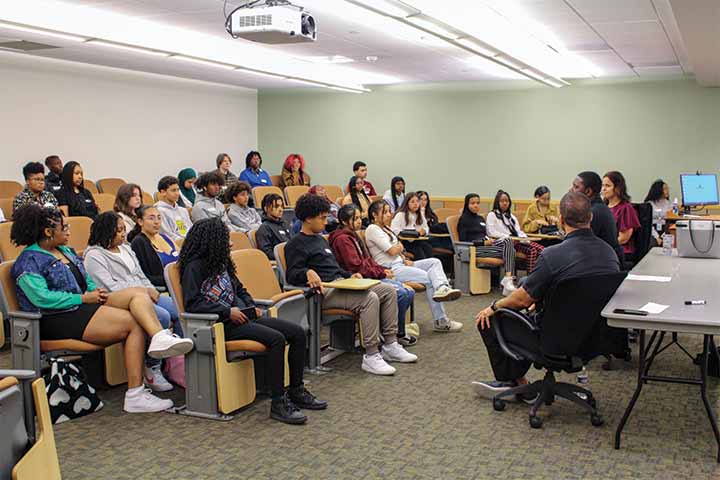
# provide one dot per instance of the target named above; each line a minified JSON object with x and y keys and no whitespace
{"x":240,"y":241}
{"x":110,"y":185}
{"x":10,"y":188}
{"x":79,"y":233}
{"x":6,"y":205}
{"x":333,"y":191}
{"x":90,"y":185}
{"x":260,"y":192}
{"x":472,"y":274}
{"x":292,"y":194}
{"x":8,"y":250}
{"x":105,"y":202}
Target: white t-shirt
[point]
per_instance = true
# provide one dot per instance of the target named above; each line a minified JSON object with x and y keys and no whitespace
{"x":126,"y":258}
{"x":497,"y":228}
{"x":378,"y":243}
{"x":398,"y":223}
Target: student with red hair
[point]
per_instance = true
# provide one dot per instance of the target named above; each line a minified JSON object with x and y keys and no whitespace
{"x":293,"y":172}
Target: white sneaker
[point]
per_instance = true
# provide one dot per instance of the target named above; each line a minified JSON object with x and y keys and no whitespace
{"x":447,"y":325}
{"x":145,"y":402}
{"x":446,"y":294}
{"x":395,"y":352}
{"x":508,"y":286}
{"x":165,"y":344}
{"x":376,"y":365}
{"x":155,"y":380}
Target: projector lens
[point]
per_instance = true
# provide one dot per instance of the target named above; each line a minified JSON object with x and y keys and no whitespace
{"x":308,"y":25}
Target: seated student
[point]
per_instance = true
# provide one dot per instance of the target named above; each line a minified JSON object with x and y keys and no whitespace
{"x":293,"y":171}
{"x":210,"y":285}
{"x":310,"y":262}
{"x":273,"y":230}
{"x":541,"y":215}
{"x":175,"y":218}
{"x":360,"y":170}
{"x":409,"y":217}
{"x":387,"y":250}
{"x":53,"y":180}
{"x":127,"y":200}
{"x":614,"y":192}
{"x":50,"y":278}
{"x":207,"y":201}
{"x":659,"y":197}
{"x":502,"y":223}
{"x":395,"y":197}
{"x":187,"y":178}
{"x":603,"y":223}
{"x":73,"y":194}
{"x":357,"y":197}
{"x":472,"y":228}
{"x":153,"y":249}
{"x":241,"y":215}
{"x":581,"y":254}
{"x":434,"y":223}
{"x":332,"y":221}
{"x":253,"y":175}
{"x":113,"y":266}
{"x":34,"y":191}
{"x":352,"y":255}
{"x":224,"y":162}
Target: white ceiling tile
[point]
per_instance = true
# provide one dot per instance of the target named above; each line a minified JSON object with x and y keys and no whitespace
{"x":595,"y":11}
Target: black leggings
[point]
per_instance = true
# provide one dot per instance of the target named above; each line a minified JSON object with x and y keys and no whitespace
{"x":507,"y":369}
{"x":421,"y":249}
{"x":274,"y":333}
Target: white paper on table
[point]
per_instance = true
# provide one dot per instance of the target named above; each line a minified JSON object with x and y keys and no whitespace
{"x":648,"y":278}
{"x":654,"y":308}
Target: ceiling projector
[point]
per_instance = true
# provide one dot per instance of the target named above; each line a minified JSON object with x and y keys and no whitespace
{"x":272,"y":21}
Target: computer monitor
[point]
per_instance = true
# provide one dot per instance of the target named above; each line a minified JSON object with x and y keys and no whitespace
{"x":699,"y":189}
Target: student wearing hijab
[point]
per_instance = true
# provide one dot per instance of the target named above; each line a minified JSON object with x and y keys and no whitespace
{"x":187,"y":178}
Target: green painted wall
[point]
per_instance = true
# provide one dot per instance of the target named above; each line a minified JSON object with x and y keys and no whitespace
{"x":451,"y":141}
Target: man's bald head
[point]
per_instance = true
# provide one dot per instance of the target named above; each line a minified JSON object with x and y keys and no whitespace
{"x":575,"y":210}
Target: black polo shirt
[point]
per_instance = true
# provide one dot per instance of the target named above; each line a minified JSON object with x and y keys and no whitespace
{"x":581,"y":254}
{"x":604,"y":227}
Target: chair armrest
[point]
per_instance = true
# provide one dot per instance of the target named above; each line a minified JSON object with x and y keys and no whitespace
{"x":19,"y":374}
{"x":25,"y":315}
{"x":464,"y":244}
{"x":506,"y":313}
{"x":207,"y":317}
{"x":289,"y":288}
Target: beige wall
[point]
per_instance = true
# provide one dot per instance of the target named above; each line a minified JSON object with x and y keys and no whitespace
{"x":452,"y":140}
{"x":118,"y":123}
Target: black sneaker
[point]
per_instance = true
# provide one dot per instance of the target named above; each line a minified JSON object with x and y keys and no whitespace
{"x":284,"y":410}
{"x":407,"y":340}
{"x":302,"y":398}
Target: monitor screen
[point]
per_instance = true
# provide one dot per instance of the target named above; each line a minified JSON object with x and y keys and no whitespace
{"x":699,"y":189}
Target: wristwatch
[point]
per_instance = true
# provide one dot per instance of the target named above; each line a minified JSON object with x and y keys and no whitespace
{"x":493,"y":306}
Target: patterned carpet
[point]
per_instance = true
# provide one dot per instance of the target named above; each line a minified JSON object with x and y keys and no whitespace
{"x":425,"y":422}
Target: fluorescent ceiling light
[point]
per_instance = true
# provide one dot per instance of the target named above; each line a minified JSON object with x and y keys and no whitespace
{"x":208,"y":63}
{"x":41,"y":31}
{"x":305,"y":82}
{"x":128,"y":48}
{"x":476,"y":47}
{"x":260,"y":74}
{"x":555,"y":84}
{"x":390,"y":8}
{"x":328,"y":59}
{"x":532,"y":74}
{"x":348,"y":90}
{"x":432,"y":25}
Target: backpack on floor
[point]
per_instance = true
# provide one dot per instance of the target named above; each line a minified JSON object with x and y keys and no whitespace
{"x":69,"y":394}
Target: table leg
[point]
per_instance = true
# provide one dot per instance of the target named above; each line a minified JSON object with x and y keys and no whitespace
{"x":703,"y":390}
{"x":638,"y":388}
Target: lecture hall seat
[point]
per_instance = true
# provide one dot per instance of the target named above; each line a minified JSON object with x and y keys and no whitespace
{"x":110,"y":185}
{"x":10,"y":188}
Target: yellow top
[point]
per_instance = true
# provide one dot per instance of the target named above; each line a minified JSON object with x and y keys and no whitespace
{"x":352,"y":284}
{"x":365,"y":205}
{"x":533,"y":217}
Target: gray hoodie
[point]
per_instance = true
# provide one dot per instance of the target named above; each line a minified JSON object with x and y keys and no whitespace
{"x":175,"y":220}
{"x":245,"y":219}
{"x":109,"y":271}
{"x":206,"y":207}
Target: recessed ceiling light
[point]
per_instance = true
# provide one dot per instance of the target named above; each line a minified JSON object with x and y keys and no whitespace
{"x":42,"y":31}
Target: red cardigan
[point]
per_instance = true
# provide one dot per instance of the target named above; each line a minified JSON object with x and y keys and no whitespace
{"x":352,"y":255}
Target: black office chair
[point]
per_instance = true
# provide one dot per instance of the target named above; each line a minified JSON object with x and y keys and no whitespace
{"x":641,"y":237}
{"x":570,"y":332}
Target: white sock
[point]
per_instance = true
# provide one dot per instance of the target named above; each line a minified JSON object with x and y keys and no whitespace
{"x":134,"y":391}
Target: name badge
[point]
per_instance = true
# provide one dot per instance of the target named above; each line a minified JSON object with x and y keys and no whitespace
{"x":282,"y":232}
{"x":263,"y":180}
{"x":56,"y":188}
{"x":482,"y":224}
{"x":212,"y":209}
{"x":328,"y":251}
{"x":87,"y":200}
{"x":174,"y":254}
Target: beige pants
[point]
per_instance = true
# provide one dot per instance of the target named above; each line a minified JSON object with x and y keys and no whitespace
{"x":377,"y":309}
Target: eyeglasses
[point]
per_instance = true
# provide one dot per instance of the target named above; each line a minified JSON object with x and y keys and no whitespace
{"x":36,"y":179}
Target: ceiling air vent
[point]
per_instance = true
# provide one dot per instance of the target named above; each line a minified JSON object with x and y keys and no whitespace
{"x":24,"y":46}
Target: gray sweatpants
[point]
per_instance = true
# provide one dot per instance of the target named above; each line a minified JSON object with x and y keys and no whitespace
{"x":377,"y":309}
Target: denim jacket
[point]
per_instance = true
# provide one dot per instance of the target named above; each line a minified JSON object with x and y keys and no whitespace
{"x":45,"y":284}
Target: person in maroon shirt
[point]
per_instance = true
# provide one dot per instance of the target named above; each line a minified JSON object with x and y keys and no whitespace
{"x":360,"y":170}
{"x":614,"y":192}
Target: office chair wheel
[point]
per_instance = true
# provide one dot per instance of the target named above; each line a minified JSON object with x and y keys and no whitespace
{"x":597,"y":420}
{"x":535,"y":421}
{"x":499,"y":405}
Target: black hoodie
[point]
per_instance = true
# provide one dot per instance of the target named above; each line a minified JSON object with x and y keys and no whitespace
{"x":272,"y":232}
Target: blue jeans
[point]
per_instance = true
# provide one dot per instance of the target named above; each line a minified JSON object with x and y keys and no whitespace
{"x":405,"y":298}
{"x":167,"y":315}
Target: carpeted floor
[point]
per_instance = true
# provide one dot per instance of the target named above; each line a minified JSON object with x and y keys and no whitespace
{"x":425,"y":422}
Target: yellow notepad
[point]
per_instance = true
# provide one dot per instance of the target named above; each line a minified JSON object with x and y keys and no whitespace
{"x":352,"y":284}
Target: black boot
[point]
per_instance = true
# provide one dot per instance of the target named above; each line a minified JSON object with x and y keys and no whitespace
{"x":284,"y":410}
{"x":306,"y":400}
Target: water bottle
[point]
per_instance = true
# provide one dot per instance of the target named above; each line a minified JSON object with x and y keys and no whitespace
{"x":676,"y":208}
{"x":667,"y":244}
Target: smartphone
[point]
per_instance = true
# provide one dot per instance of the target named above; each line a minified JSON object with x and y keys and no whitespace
{"x":250,"y":313}
{"x":630,"y":311}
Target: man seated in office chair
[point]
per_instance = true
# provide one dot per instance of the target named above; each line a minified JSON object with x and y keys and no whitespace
{"x":581,"y":254}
